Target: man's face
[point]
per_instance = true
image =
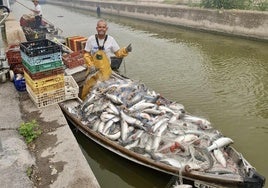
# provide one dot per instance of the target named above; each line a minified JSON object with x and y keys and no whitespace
{"x":101,"y":28}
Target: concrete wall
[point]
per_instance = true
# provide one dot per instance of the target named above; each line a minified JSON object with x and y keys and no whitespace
{"x":249,"y":24}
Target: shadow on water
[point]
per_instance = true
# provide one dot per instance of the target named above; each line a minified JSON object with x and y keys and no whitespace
{"x":111,"y":169}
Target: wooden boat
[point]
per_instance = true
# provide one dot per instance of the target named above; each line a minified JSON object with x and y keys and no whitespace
{"x":46,"y":31}
{"x":244,"y":176}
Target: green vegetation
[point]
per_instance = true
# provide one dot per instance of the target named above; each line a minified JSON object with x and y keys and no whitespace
{"x":259,"y":5}
{"x":30,"y":130}
{"x":29,"y":171}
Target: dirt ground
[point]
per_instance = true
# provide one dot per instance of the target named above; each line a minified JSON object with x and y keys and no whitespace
{"x":44,"y":172}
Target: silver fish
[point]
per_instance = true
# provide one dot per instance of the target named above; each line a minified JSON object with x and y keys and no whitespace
{"x":223,"y":141}
{"x":131,"y":120}
{"x":114,"y":99}
{"x":124,"y":130}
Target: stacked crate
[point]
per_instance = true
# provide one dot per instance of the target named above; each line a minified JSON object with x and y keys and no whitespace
{"x":76,"y":43}
{"x":43,"y":72}
{"x":74,"y":59}
{"x":14,"y":58}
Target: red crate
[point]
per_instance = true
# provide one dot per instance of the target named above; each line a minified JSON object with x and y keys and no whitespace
{"x":73,"y":60}
{"x":39,"y":75}
{"x":13,"y":54}
{"x":17,"y":68}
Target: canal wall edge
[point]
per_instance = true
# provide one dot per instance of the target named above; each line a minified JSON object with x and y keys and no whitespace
{"x":246,"y":24}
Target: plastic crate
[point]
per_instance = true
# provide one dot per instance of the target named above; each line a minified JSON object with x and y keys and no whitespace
{"x":42,"y":67}
{"x":13,"y":54}
{"x":44,"y":81}
{"x":17,"y":68}
{"x":80,"y":44}
{"x":44,"y":89}
{"x":77,"y":45}
{"x":71,"y":88}
{"x":35,"y":36}
{"x":20,"y":84}
{"x":39,"y":47}
{"x":73,"y":60}
{"x":41,"y":59}
{"x":44,"y":74}
{"x":48,"y":98}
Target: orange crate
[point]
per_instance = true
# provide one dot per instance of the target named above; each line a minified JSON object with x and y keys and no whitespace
{"x":68,"y":40}
{"x":48,"y":98}
{"x":78,"y":46}
{"x":73,"y":42}
{"x":44,"y":81}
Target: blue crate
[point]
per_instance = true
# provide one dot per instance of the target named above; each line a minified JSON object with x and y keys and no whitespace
{"x":42,"y":59}
{"x":20,"y":84}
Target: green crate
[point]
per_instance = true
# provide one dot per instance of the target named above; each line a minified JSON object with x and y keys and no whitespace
{"x":43,"y":67}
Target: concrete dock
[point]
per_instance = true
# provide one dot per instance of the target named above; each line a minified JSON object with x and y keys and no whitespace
{"x":54,"y":159}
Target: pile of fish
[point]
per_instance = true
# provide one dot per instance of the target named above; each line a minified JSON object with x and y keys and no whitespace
{"x":143,"y":121}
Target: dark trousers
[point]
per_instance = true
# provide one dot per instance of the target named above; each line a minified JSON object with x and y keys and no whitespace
{"x":38,"y":22}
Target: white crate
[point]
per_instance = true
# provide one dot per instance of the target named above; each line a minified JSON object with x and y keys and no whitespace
{"x":71,"y":88}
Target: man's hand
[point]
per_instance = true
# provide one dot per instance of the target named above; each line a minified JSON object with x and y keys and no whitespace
{"x":129,"y":48}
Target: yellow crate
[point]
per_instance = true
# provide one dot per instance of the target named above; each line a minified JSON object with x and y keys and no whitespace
{"x":40,"y":90}
{"x":48,"y":98}
{"x":44,"y":81}
{"x":71,"y":88}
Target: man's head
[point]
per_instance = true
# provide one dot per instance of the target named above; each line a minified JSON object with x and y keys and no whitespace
{"x":101,"y":28}
{"x":35,"y":1}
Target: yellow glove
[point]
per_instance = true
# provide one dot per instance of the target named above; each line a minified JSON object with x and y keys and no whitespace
{"x":122,"y":52}
{"x":88,"y":59}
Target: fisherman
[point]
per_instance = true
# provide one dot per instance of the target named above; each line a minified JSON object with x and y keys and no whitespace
{"x":98,"y":11}
{"x":98,"y":50}
{"x":37,"y":13}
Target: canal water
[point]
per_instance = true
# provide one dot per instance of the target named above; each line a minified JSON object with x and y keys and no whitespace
{"x":221,"y":78}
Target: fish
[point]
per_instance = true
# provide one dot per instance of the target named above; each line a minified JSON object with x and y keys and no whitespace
{"x":113,"y":109}
{"x":124,"y":130}
{"x":105,"y":116}
{"x":114,"y":99}
{"x":134,"y":136}
{"x":140,"y":106}
{"x":114,"y":136}
{"x":220,"y":157}
{"x":158,"y":135}
{"x":107,"y":126}
{"x":221,"y":142}
{"x":165,"y":109}
{"x":160,"y":121}
{"x":132,"y":120}
{"x":101,"y":126}
{"x":152,"y":111}
{"x":203,"y":123}
{"x":133,"y":144}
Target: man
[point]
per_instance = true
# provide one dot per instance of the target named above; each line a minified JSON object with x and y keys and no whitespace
{"x":37,"y":14}
{"x":98,"y":50}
